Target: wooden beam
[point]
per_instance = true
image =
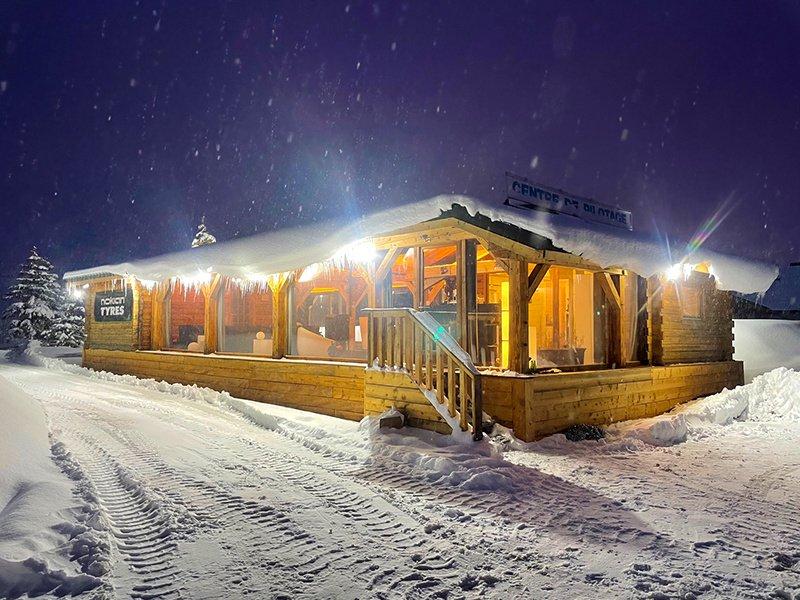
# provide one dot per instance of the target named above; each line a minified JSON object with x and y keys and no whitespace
{"x":501,"y":253}
{"x":610,"y":289}
{"x":451,"y":230}
{"x":535,"y":278}
{"x":376,"y":278}
{"x":386,"y":263}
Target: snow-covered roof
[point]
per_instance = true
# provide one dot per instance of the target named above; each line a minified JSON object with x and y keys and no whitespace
{"x":294,"y":248}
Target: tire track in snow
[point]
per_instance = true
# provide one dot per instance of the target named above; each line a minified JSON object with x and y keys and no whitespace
{"x":143,"y":530}
{"x":422,"y":572}
{"x":212,"y":505}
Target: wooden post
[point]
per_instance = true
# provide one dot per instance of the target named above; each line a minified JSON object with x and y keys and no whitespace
{"x":279,"y":286}
{"x":642,"y":321}
{"x":655,"y":347}
{"x":429,"y":363}
{"x":419,"y":280}
{"x":462,"y":407}
{"x":451,"y":387}
{"x":466,"y":265}
{"x":614,"y":302}
{"x":439,"y":375}
{"x":517,"y":315}
{"x":418,"y":335}
{"x":477,"y":409}
{"x":625,"y":324}
{"x":159,"y":325}
{"x":380,"y":325}
{"x":210,"y":292}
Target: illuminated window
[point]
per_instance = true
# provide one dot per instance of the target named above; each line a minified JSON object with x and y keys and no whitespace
{"x":403,"y":278}
{"x":489,"y":317}
{"x":439,"y":287}
{"x":325,"y":316}
{"x":185,"y":318}
{"x":567,"y":320}
{"x":246,"y":320}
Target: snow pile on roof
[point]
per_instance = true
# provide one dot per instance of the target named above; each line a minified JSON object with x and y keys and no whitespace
{"x":290,"y":249}
{"x":771,"y":397}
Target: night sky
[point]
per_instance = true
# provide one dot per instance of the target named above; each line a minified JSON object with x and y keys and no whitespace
{"x":124,"y":123}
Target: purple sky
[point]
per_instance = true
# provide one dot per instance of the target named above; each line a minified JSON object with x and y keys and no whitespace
{"x":124,"y":123}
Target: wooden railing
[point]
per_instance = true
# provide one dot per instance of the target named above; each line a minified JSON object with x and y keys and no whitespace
{"x":404,"y":338}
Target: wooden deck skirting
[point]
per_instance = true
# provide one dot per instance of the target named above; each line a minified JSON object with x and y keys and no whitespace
{"x":335,"y":389}
{"x":534,"y":406}
{"x":540,"y":405}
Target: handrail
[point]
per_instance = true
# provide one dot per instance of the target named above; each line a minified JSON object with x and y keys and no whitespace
{"x":414,"y":341}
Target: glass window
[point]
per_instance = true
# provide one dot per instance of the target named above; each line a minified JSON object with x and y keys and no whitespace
{"x":186,"y":319}
{"x":439,"y":288}
{"x":567,"y":325}
{"x":403,"y":278}
{"x":489,"y":317}
{"x":631,"y":303}
{"x":326,"y":320}
{"x":246,"y":320}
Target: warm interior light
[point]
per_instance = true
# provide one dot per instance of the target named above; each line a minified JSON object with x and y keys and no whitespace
{"x":504,"y":323}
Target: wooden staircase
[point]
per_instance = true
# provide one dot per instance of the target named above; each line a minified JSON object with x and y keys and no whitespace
{"x":407,"y":340}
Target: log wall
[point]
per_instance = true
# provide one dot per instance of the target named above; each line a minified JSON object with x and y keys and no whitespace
{"x":335,"y":389}
{"x":690,"y":321}
{"x":113,"y":335}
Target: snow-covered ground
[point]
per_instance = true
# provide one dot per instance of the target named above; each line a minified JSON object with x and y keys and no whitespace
{"x":152,"y":490}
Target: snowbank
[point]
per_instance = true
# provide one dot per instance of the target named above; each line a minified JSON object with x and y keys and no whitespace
{"x":448,"y":460}
{"x":290,"y":249}
{"x":764,"y":344}
{"x":41,"y":528}
{"x":771,"y":397}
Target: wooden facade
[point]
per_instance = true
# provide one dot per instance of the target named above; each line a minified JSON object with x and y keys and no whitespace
{"x":454,"y":317}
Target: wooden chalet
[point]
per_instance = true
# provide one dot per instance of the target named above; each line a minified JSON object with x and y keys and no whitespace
{"x":454,"y":312}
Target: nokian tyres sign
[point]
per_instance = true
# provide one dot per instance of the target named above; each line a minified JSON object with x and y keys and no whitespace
{"x":525,"y":194}
{"x":116,"y":305}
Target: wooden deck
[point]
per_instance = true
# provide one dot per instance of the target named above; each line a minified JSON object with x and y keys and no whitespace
{"x":534,"y":406}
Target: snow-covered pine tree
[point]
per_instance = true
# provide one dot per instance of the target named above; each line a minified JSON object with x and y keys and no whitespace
{"x":34,"y":301}
{"x":203,"y":237}
{"x":68,"y":325}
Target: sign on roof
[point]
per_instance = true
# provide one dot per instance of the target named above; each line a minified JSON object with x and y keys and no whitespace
{"x":528,"y":195}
